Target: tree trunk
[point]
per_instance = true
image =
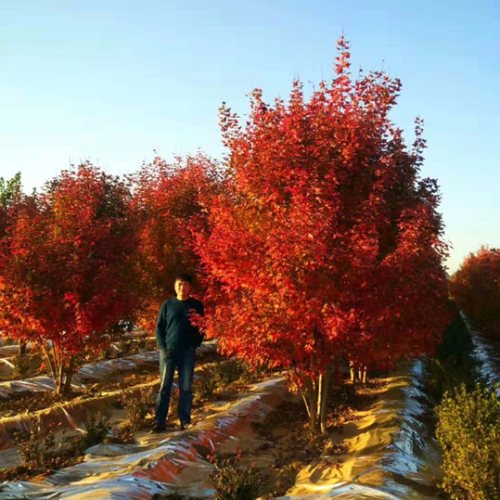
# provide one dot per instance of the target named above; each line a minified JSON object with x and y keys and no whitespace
{"x":309,"y":395}
{"x":50,"y":360}
{"x":22,"y":347}
{"x":313,"y":405}
{"x":68,"y":375}
{"x":352,"y":372}
{"x":319,"y":400}
{"x":325,"y":396}
{"x":315,"y":395}
{"x":363,"y":375}
{"x":61,"y":367}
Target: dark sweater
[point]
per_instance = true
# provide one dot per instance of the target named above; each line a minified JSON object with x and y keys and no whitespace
{"x":174,"y":331}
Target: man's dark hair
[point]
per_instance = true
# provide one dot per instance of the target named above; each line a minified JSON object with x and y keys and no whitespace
{"x":184,"y":277}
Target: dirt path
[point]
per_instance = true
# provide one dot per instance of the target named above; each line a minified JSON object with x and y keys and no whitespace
{"x":382,"y":450}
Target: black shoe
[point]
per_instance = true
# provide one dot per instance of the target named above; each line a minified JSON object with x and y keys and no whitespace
{"x":157,"y":428}
{"x":186,"y":425}
{"x":163,"y":427}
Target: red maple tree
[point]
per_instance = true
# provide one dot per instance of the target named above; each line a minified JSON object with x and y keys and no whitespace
{"x":66,"y":267}
{"x":11,"y":198}
{"x":476,"y":288}
{"x":169,"y":202}
{"x":327,"y":245}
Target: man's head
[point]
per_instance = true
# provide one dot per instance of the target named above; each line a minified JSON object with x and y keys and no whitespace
{"x":183,"y":285}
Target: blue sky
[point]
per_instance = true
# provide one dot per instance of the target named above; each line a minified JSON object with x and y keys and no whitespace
{"x":113,"y":80}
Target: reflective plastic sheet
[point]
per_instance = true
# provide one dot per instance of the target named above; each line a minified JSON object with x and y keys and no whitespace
{"x":488,"y":360}
{"x":390,"y":452}
{"x":91,"y":372}
{"x":7,"y":351}
{"x":486,"y":352}
{"x":159,"y":463}
{"x":7,"y":367}
{"x":71,"y":414}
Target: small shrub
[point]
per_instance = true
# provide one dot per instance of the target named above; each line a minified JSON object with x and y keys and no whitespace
{"x":138,"y":406}
{"x":229,"y":371}
{"x":223,"y":378}
{"x":234,"y":482}
{"x":142,"y":342}
{"x":26,"y":365}
{"x":126,"y":346}
{"x":37,"y":445}
{"x":97,"y":428}
{"x":23,"y":367}
{"x":206,"y":386}
{"x":234,"y":370}
{"x":468,"y":432}
{"x":453,"y":364}
{"x":443,"y":377}
{"x":218,"y":379}
{"x":122,"y":434}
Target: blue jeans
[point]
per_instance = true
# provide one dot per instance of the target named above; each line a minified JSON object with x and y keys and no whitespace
{"x":183,"y":361}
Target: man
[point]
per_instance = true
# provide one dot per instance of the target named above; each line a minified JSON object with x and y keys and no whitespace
{"x":177,"y":338}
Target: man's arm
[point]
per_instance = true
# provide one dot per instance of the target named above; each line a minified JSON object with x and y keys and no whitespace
{"x":161,"y":324}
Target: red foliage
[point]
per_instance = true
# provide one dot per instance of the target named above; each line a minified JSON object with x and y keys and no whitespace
{"x":476,"y":289}
{"x":327,"y":244}
{"x":65,"y":262}
{"x":169,"y":200}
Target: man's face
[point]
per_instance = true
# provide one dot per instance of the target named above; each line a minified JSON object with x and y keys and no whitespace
{"x":182,"y":288}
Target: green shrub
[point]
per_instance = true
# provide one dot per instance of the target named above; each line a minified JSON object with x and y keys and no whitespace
{"x":443,"y":377}
{"x":234,"y":370}
{"x":205,"y":386}
{"x":37,"y":445}
{"x":235,"y":483}
{"x":26,"y":365}
{"x":229,"y":371}
{"x":468,"y":432}
{"x":97,"y":428}
{"x":221,"y":378}
{"x":126,"y":346}
{"x":23,"y":368}
{"x":138,"y":406}
{"x":453,"y":364}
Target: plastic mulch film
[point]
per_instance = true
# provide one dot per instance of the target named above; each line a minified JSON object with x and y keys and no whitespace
{"x":486,"y":353}
{"x":91,"y":372}
{"x":390,"y":453}
{"x":160,"y":463}
{"x":7,"y":367}
{"x":488,"y":360}
{"x":71,"y":414}
{"x":65,"y":416}
{"x":8,"y":350}
{"x":42,"y":383}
